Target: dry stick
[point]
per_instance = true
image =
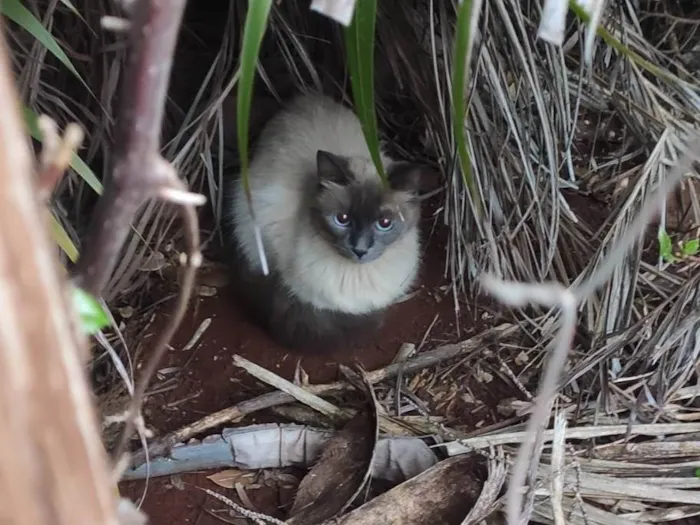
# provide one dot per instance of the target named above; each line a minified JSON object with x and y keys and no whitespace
{"x":56,"y":153}
{"x":297,"y":392}
{"x":257,"y":517}
{"x":424,"y":360}
{"x":140,"y":173}
{"x":53,"y":468}
{"x":515,"y":293}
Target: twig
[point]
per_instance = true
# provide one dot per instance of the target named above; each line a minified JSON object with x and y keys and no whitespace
{"x":236,"y":412}
{"x":386,"y":424}
{"x":56,"y":153}
{"x":300,"y":394}
{"x":197,"y":335}
{"x":141,"y":174}
{"x":257,"y":517}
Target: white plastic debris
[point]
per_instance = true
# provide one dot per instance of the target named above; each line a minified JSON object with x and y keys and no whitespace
{"x":277,"y":446}
{"x":553,"y":21}
{"x":339,"y":10}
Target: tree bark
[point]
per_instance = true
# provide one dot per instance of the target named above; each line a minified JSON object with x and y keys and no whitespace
{"x":53,"y":468}
{"x":443,"y":494}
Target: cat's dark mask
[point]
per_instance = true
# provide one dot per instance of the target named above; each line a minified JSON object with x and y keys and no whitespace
{"x":359,"y":216}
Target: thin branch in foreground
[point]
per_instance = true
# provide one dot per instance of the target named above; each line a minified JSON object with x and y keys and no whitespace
{"x":568,"y":300}
{"x":138,"y":175}
{"x":141,"y":174}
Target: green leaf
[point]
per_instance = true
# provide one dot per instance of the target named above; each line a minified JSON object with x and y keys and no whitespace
{"x":78,"y":165}
{"x":461,"y":59}
{"x":92,"y":316}
{"x":61,"y":237}
{"x":15,"y":11}
{"x":359,"y":49}
{"x":253,"y":32}
{"x":691,"y":247}
{"x":666,"y":247}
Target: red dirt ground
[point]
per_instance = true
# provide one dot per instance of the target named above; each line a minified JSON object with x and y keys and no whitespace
{"x":210,"y":382}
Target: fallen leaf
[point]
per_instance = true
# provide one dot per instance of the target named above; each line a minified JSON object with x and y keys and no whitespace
{"x":482,"y":376}
{"x":214,"y":275}
{"x":206,"y":291}
{"x":521,"y":359}
{"x":154,"y":263}
{"x":177,"y":482}
{"x":126,"y":311}
{"x":230,"y":477}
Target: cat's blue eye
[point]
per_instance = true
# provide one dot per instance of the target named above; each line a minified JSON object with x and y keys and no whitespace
{"x":384,"y":224}
{"x":341,"y":219}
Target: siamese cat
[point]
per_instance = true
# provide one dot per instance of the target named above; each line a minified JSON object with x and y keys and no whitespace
{"x":341,"y":247}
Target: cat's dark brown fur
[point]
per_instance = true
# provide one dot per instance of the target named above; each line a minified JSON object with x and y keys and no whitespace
{"x":292,"y":323}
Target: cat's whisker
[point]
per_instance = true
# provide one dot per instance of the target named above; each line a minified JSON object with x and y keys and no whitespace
{"x":261,"y":250}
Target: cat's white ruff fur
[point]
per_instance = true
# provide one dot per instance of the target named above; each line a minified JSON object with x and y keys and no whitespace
{"x":279,"y":174}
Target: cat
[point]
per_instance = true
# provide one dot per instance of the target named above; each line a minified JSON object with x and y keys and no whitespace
{"x":341,"y":247}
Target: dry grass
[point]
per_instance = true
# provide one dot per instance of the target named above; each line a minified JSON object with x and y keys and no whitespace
{"x":540,"y":122}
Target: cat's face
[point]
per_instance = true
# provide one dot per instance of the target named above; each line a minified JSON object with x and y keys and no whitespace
{"x":359,"y":217}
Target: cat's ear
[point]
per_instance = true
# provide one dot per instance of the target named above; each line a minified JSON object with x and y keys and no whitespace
{"x":406,"y":176}
{"x":332,"y":168}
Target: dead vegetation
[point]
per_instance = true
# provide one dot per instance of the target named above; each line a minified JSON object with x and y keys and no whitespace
{"x":564,"y":155}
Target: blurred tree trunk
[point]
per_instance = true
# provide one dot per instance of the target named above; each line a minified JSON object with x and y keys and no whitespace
{"x":53,"y":468}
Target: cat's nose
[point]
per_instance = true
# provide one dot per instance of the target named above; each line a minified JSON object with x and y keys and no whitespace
{"x":360,"y":252}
